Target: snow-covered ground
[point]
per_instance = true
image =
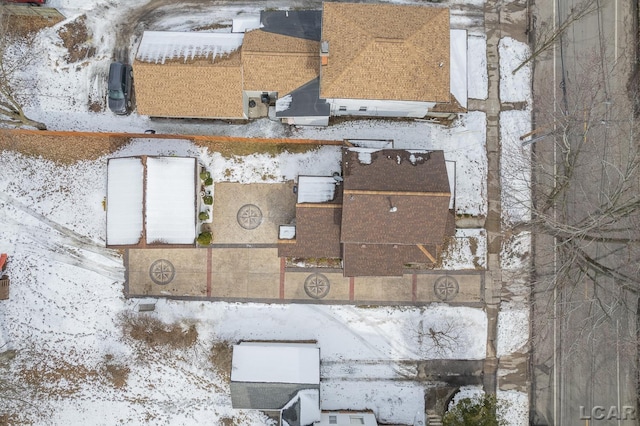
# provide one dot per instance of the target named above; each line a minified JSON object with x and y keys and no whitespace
{"x":64,"y":315}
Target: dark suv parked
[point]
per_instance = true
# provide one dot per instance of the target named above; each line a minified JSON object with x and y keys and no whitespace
{"x":120,"y":78}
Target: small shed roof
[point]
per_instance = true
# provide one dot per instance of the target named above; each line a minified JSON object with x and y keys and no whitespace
{"x":125,"y":195}
{"x":276,"y":363}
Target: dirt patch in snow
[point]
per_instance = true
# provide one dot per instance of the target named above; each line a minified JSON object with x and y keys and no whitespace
{"x":76,"y":39}
{"x":220,"y":356}
{"x":155,"y":333}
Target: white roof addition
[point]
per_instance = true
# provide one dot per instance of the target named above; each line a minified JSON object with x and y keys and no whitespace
{"x":316,"y":189}
{"x":276,"y":363}
{"x":160,"y":46}
{"x":124,"y":207}
{"x":171,"y":200}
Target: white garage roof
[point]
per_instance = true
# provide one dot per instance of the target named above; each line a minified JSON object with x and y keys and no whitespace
{"x":124,"y":207}
{"x":276,"y":363}
{"x":171,"y":202}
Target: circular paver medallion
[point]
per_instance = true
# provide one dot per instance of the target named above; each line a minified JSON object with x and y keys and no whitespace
{"x":249,"y":216}
{"x":316,"y":286}
{"x":162,"y":272}
{"x":446,"y":288}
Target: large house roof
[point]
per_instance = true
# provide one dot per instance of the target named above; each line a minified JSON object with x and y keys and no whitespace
{"x":384,"y":51}
{"x":278,"y":63}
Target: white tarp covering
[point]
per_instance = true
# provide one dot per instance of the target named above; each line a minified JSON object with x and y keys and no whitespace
{"x":458,"y":68}
{"x":124,"y":207}
{"x":276,"y":363}
{"x":316,"y":189}
{"x":171,"y":202}
{"x":159,"y":46}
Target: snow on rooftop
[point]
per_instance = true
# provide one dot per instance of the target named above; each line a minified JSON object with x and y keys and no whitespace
{"x":458,"y":67}
{"x":160,"y":46}
{"x":283,"y":103}
{"x":276,"y":363}
{"x":309,"y":405}
{"x":171,"y":200}
{"x":244,"y":23}
{"x":124,"y":209}
{"x":316,"y":189}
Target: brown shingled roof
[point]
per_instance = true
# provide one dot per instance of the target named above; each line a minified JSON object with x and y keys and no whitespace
{"x":196,"y":89}
{"x":317,"y":232}
{"x":394,"y":170}
{"x":383,"y":259}
{"x":416,"y":219}
{"x":278,"y":63}
{"x":383,"y":51}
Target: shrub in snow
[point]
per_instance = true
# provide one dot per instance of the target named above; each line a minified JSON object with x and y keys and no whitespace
{"x":208,"y":181}
{"x":208,"y":199}
{"x":476,"y":411}
{"x":203,"y":216}
{"x":204,"y":239}
{"x":204,"y":175}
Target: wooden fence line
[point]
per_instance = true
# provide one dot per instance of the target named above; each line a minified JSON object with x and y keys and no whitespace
{"x":199,"y":138}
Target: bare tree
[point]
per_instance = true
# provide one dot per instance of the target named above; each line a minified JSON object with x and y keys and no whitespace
{"x":548,"y":34}
{"x":438,"y":339}
{"x":16,"y":52}
{"x":585,"y":219}
{"x":586,"y":166}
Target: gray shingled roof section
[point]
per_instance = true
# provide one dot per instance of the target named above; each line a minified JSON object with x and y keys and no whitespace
{"x":306,"y":102}
{"x":305,"y":24}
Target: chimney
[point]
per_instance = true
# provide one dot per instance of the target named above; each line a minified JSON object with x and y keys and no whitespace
{"x":324,"y":52}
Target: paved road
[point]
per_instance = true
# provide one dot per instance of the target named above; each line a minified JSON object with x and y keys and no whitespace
{"x":581,"y":352}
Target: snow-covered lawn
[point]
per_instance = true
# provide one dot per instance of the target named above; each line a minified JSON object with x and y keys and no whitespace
{"x":477,"y":65}
{"x":514,"y":87}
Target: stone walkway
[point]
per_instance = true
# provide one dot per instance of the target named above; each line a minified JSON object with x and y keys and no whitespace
{"x":500,"y":21}
{"x":241,"y":273}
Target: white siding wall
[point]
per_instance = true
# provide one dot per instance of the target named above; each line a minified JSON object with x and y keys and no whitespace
{"x":377,"y":108}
